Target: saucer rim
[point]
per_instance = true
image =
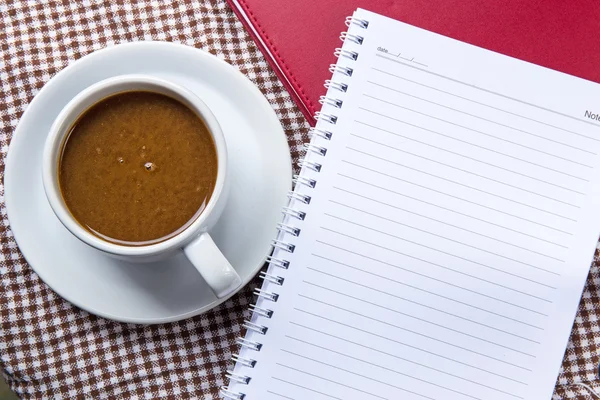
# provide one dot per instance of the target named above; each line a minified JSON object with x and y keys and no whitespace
{"x":18,"y":141}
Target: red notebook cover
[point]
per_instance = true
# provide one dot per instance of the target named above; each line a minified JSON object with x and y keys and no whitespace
{"x":298,"y":37}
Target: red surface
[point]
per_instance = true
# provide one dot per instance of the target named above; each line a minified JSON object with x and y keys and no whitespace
{"x":301,"y":34}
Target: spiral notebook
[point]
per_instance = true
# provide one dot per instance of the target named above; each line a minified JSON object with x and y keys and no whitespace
{"x":440,"y":233}
{"x":296,"y":38}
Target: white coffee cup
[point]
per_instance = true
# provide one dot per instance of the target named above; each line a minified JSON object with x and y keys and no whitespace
{"x":194,"y":241}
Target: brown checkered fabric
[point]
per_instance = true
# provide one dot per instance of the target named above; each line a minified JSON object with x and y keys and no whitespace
{"x":49,"y":349}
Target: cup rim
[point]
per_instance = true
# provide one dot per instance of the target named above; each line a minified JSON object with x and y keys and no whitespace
{"x":59,"y":133}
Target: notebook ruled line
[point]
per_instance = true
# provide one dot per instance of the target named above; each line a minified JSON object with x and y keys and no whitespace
{"x":388,"y":369}
{"x":458,"y":227}
{"x":412,"y":287}
{"x":434,"y":279}
{"x":412,"y":60}
{"x":472,"y":130}
{"x":464,"y":142}
{"x":463,"y":199}
{"x":447,"y":209}
{"x":437,"y":340}
{"x":439,"y":265}
{"x":471,"y":172}
{"x":418,"y":318}
{"x":452,"y":240}
{"x":405,"y":345}
{"x":477,"y":189}
{"x":478,"y":117}
{"x":458,"y":198}
{"x":443,"y":252}
{"x":490,"y":91}
{"x":400,"y":358}
{"x":280,"y":395}
{"x":312,"y":390}
{"x":332,"y":381}
{"x":416,"y":332}
{"x":472,"y":159}
{"x":485,"y":105}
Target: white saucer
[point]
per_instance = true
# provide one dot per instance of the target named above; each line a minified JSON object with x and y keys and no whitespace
{"x":171,"y":290}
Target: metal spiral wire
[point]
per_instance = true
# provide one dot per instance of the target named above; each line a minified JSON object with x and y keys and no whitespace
{"x":263,"y":312}
{"x":357,"y":21}
{"x":342,"y":87}
{"x":320,"y":150}
{"x":266,"y":295}
{"x":255,"y":327}
{"x":292,"y":230}
{"x":349,"y":54}
{"x":299,"y":179}
{"x":321,"y":116}
{"x":247,"y":362}
{"x":299,"y":215}
{"x":337,"y":103}
{"x":294,"y":213}
{"x":228,"y":394}
{"x":249,"y":344}
{"x":351,"y":37}
{"x":238,"y":378}
{"x":327,"y":135}
{"x":303,"y":198}
{"x":303,"y":163}
{"x":277,"y":280}
{"x":333,"y":68}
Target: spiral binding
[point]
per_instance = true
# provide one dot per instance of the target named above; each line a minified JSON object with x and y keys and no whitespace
{"x":277,"y":280}
{"x":292,"y":230}
{"x":353,"y":38}
{"x":304,"y":198}
{"x":352,"y":55}
{"x":322,"y":151}
{"x":238,"y":378}
{"x":243,"y":361}
{"x":333,"y":68}
{"x":228,"y":394}
{"x":337,"y":103}
{"x":255,"y":327}
{"x":311,"y":183}
{"x":332,"y":119}
{"x":286,"y":228}
{"x":294,"y":213}
{"x":263,"y":312}
{"x":342,"y":87}
{"x":266,"y":295}
{"x":283,"y":245}
{"x":303,"y":163}
{"x":278,"y":262}
{"x":357,"y":21}
{"x":327,"y":135}
{"x":249,"y":344}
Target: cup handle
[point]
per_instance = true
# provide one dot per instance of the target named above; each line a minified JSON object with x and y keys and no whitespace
{"x":204,"y":254}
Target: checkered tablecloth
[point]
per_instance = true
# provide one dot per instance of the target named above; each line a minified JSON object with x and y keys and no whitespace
{"x":50,"y":349}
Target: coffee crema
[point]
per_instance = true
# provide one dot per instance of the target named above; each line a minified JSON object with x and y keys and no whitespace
{"x":137,"y":168}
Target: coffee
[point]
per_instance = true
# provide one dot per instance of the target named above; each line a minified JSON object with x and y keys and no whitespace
{"x":137,"y":168}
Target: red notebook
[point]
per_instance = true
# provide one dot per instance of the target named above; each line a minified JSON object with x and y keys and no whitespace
{"x":297,"y":36}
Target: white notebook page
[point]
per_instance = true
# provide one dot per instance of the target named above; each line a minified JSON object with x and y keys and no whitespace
{"x":450,"y":233}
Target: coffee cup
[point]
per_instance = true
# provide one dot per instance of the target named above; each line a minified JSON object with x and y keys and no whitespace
{"x":195,"y":240}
